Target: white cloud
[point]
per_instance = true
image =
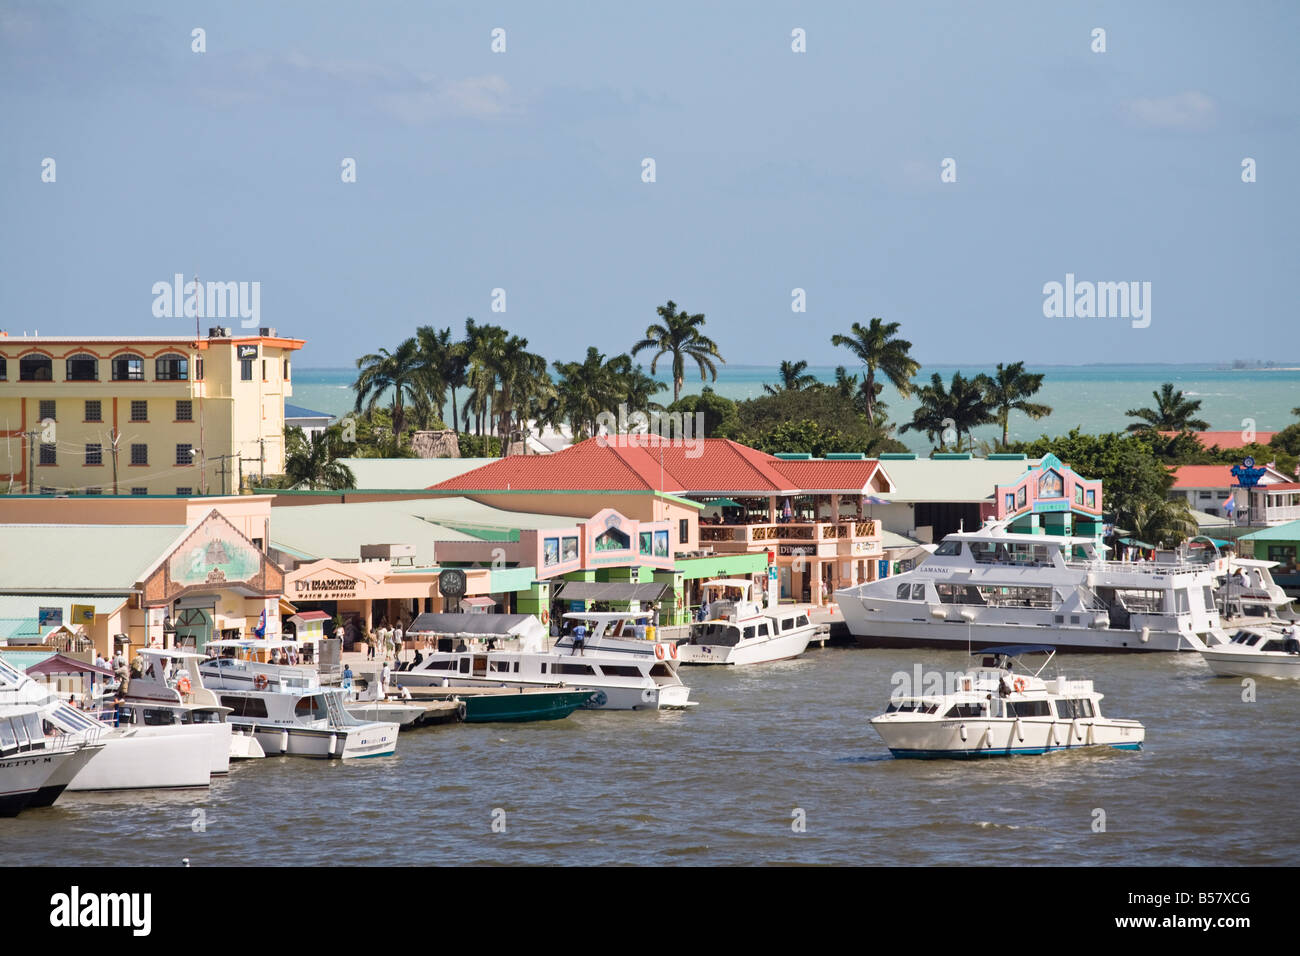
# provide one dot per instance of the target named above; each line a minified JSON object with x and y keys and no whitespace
{"x":1190,"y":110}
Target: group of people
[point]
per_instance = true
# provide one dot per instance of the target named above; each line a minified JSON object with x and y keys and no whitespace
{"x":387,"y":641}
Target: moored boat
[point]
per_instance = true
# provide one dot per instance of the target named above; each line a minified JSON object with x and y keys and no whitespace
{"x":738,"y":631}
{"x":1267,"y":649}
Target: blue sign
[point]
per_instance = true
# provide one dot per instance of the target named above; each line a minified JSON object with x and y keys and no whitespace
{"x":1249,"y":462}
{"x":1247,"y":477}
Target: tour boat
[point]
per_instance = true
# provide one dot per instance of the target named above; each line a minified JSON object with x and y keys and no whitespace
{"x":1268,"y":649}
{"x":31,"y":762}
{"x":996,"y":711}
{"x":739,"y":631}
{"x":995,"y":587}
{"x":625,"y":678}
{"x":1246,"y":589}
{"x":370,"y":703}
{"x":123,"y":758}
{"x":170,"y":692}
{"x":287,"y":709}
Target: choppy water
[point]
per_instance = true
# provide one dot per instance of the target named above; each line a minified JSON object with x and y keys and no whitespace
{"x":1093,"y":398}
{"x":1216,"y":784}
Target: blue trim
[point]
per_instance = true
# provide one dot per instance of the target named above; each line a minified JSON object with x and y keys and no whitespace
{"x":1016,"y":752}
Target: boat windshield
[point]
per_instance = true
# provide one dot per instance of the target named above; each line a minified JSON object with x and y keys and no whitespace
{"x":716,"y":634}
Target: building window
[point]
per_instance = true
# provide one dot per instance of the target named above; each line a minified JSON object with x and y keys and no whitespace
{"x":128,"y":368}
{"x":48,"y":456}
{"x":94,"y":454}
{"x":185,"y":411}
{"x":183,"y":454}
{"x":683,"y":531}
{"x":198,"y":370}
{"x":4,"y":368}
{"x":286,"y":369}
{"x":264,"y":370}
{"x":94,"y":410}
{"x":35,"y":368}
{"x":139,"y":411}
{"x":245,"y":370}
{"x":94,"y":491}
{"x":139,"y":491}
{"x":172,"y":368}
{"x":47,"y":490}
{"x":47,"y":409}
{"x":186,"y":492}
{"x":82,"y":368}
{"x":139,"y":454}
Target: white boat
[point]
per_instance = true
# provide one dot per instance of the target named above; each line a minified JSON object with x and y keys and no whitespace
{"x":174,"y":758}
{"x":995,"y":587}
{"x":739,"y":631}
{"x":171,"y":693}
{"x":32,"y":764}
{"x":996,"y":711}
{"x":372,"y":703}
{"x":1246,"y":589}
{"x":1268,"y":649}
{"x":629,"y":676}
{"x":287,"y":709}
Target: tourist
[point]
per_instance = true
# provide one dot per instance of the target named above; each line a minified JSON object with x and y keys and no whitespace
{"x":347,"y":676}
{"x":385,"y":676}
{"x":398,"y":636}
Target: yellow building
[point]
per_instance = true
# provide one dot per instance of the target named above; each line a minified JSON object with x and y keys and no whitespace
{"x":142,"y":415}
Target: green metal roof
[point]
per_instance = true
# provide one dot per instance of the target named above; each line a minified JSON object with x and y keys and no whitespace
{"x":937,"y":479}
{"x":21,"y":660}
{"x":1281,"y":532}
{"x":95,"y":558}
{"x":388,"y":474}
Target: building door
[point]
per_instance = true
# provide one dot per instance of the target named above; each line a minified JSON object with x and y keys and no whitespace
{"x":194,"y":627}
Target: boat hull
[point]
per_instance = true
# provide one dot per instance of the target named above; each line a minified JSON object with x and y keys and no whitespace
{"x":524,"y":707}
{"x":1230,"y":664}
{"x":372,"y":740}
{"x":136,"y":761}
{"x":216,"y":735}
{"x":57,"y":782}
{"x":602,"y":697}
{"x":23,"y":774}
{"x":386,"y":711}
{"x":1003,"y":737}
{"x":780,"y":648}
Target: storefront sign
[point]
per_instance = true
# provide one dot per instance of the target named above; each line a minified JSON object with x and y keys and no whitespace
{"x":325,"y":588}
{"x":247,"y":351}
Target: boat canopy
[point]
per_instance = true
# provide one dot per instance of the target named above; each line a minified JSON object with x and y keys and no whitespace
{"x":251,"y":643}
{"x":174,"y":654}
{"x":1015,"y":650}
{"x":608,"y":615}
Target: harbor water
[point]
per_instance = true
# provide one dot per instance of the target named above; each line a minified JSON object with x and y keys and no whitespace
{"x":777,"y":765}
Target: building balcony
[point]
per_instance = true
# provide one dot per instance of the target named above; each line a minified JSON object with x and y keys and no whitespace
{"x":822,"y":539}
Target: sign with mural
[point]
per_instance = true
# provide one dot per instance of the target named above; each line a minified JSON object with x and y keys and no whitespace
{"x":83,"y":614}
{"x":212,"y":557}
{"x":49,"y":617}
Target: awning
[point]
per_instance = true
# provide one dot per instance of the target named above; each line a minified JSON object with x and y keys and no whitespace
{"x":58,"y":664}
{"x":478,"y":600}
{"x":500,"y":625}
{"x":1134,"y":542}
{"x":611,"y":591}
{"x":723,"y":502}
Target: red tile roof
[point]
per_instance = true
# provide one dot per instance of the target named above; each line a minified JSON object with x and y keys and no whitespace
{"x":1227,"y":439}
{"x":1204,"y":476}
{"x":648,"y":463}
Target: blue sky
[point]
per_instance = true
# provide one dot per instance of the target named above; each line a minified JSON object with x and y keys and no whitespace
{"x":775,"y":170}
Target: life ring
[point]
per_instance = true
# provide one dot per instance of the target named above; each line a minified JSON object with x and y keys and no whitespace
{"x":1020,"y":685}
{"x":183,"y":685}
{"x":659,"y":651}
{"x":672,"y":650}
{"x":261,"y":682}
{"x":546,"y":616}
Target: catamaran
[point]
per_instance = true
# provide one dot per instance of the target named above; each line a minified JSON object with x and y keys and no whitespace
{"x":994,"y":587}
{"x":287,"y":709}
{"x":996,"y":711}
{"x":35,"y":768}
{"x":739,"y":631}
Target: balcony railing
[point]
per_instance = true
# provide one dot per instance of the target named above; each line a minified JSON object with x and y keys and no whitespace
{"x":759,"y":535}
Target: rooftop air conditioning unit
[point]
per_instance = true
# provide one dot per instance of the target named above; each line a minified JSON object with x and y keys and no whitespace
{"x":266,"y":332}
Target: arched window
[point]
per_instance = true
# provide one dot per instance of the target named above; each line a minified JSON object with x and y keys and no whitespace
{"x":82,"y":368}
{"x":128,"y":368}
{"x":35,"y":368}
{"x":172,"y":368}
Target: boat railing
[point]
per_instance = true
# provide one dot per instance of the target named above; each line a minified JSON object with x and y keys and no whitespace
{"x":1136,"y":567}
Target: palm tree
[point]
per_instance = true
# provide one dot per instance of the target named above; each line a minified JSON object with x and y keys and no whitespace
{"x":1173,"y":413}
{"x":583,"y":391}
{"x":877,"y":348}
{"x":680,"y":337}
{"x":482,"y":345}
{"x":793,"y":378}
{"x":1160,"y":521}
{"x":959,"y":406}
{"x":522,"y":385}
{"x":444,"y":363}
{"x":1007,"y":391}
{"x":382,"y":372}
{"x":311,"y":462}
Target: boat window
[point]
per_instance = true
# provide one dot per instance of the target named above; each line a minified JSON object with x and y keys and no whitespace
{"x":244,"y":706}
{"x":903,"y":591}
{"x":543,"y":668}
{"x":959,"y":594}
{"x":583,"y":669}
{"x":802,"y":620}
{"x":1181,"y":604}
{"x":1074,"y":708}
{"x":1028,"y":708}
{"x":787,"y":623}
{"x":1276,"y":645}
{"x":8,"y":739}
{"x":516,"y":667}
{"x":156,"y":718}
{"x":749,"y":632}
{"x":918,"y":592}
{"x":762,"y":630}
{"x":442,"y":665}
{"x":1141,"y":600}
{"x":660,"y":670}
{"x":309,"y":707}
{"x":1254,"y":639}
{"x":948,"y":547}
{"x":1208,"y":597}
{"x":464,"y":665}
{"x":20,"y":731}
{"x":965,"y":710}
{"x":619,"y":670}
{"x":500,"y":667}
{"x":480,"y":665}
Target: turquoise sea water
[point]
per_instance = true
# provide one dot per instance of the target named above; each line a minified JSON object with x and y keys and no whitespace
{"x":1091,"y":397}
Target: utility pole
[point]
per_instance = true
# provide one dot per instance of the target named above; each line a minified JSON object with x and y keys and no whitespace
{"x":31,"y":459}
{"x":198,"y":340}
{"x":116,"y":436}
{"x":261,"y":468}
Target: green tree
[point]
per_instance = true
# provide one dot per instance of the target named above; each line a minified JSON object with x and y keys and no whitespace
{"x":1008,"y":389}
{"x":1173,"y":413}
{"x":679,"y":336}
{"x":398,"y":374}
{"x":805,"y":436}
{"x":879,"y":349}
{"x":445,"y":362}
{"x":310,"y":462}
{"x":793,"y":378}
{"x":721,"y":418}
{"x":958,"y":407}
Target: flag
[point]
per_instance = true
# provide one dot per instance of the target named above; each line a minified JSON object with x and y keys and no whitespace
{"x":1229,"y":505}
{"x":260,"y":630}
